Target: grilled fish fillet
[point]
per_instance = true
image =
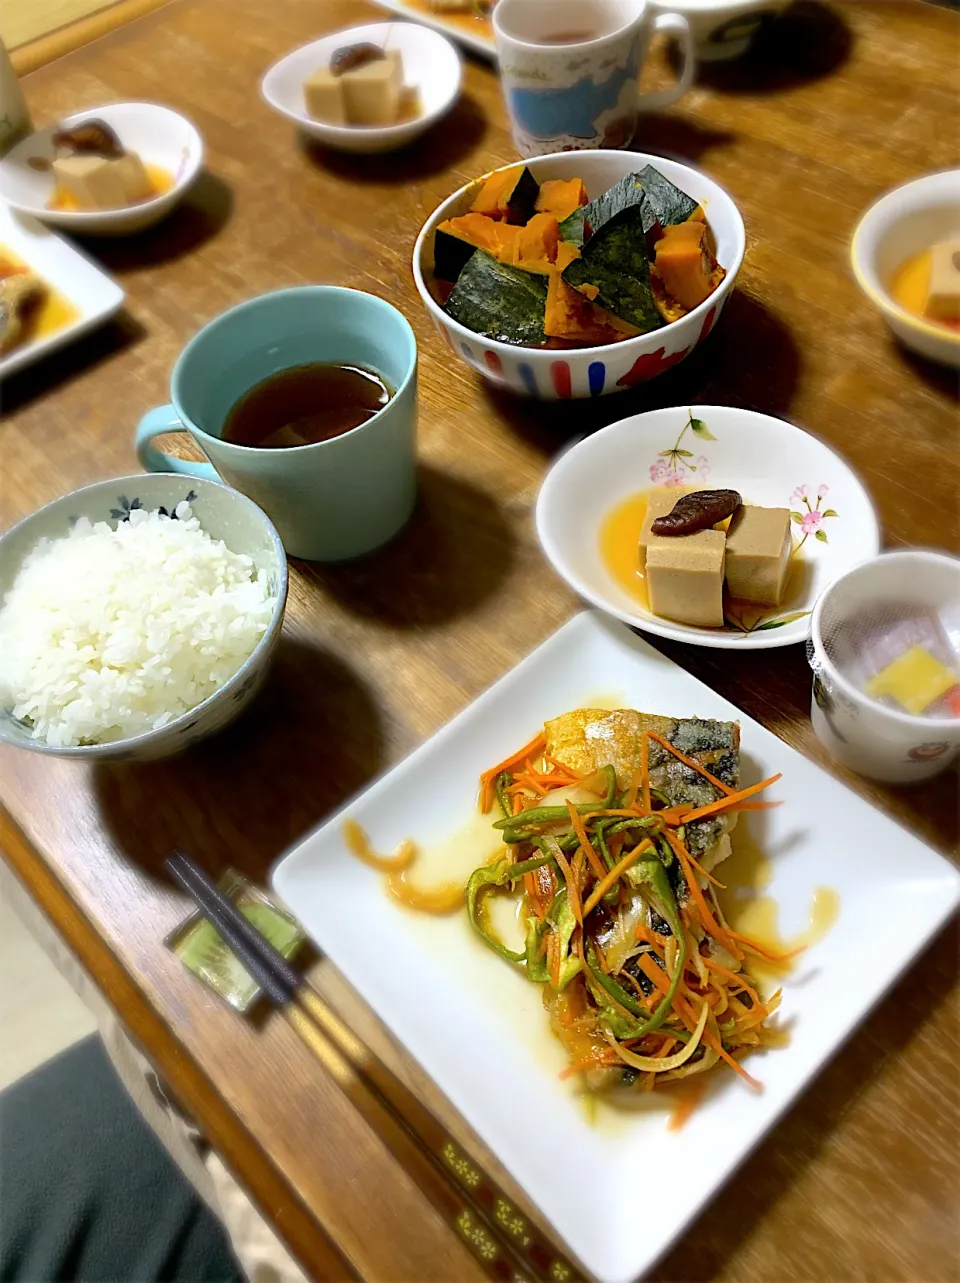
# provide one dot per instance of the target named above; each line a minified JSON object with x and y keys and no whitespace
{"x":590,"y":738}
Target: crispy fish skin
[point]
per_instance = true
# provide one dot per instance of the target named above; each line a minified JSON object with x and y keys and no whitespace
{"x":589,"y":738}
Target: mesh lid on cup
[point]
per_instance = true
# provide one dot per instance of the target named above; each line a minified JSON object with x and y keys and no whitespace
{"x":905,"y":656}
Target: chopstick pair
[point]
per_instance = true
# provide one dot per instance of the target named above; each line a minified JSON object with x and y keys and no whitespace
{"x":506,"y":1243}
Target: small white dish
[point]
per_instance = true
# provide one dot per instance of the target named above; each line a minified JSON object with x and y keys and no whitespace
{"x":871,"y":738}
{"x":224,"y":513}
{"x":907,"y":220}
{"x":163,"y":139}
{"x":474,"y":1022}
{"x":473,"y":30}
{"x":431,"y":67}
{"x":581,"y":372}
{"x":770,"y":462}
{"x":90,"y":292}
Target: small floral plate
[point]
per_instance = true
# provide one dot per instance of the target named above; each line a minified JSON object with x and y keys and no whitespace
{"x":770,"y":462}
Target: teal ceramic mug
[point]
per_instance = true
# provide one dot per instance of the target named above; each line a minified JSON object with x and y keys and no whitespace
{"x":335,"y":499}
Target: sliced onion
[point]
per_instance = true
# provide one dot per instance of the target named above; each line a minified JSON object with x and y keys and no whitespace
{"x":661,"y":1064}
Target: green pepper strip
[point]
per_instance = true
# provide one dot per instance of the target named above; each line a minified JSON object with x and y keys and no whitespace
{"x":649,"y":872}
{"x":500,"y":790}
{"x":489,"y":875}
{"x":527,"y":866}
{"x":560,"y":919}
{"x":538,"y":815}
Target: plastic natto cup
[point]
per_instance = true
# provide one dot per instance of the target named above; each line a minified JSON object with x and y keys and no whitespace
{"x":875,"y":739}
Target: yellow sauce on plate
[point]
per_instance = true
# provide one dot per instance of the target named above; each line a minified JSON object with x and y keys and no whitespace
{"x":52,"y":315}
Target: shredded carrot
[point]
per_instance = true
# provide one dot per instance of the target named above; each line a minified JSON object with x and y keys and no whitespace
{"x":752,"y":947}
{"x":656,"y":975}
{"x":686,"y":1105}
{"x":517,"y":804}
{"x":699,"y":867}
{"x":606,"y":882}
{"x":589,"y":854}
{"x":687,"y":761}
{"x":709,"y":921}
{"x":717,"y":1046}
{"x":562,"y":766}
{"x":488,"y":778}
{"x":573,"y":892}
{"x":735,"y":978}
{"x":731,"y":799}
{"x":630,"y":797}
{"x":554,"y":959}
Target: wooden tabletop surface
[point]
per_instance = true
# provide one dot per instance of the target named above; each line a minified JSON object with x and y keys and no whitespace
{"x":860,"y":1180}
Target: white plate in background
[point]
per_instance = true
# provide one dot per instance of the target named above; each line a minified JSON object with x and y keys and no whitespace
{"x":475,"y":1024}
{"x":94,"y":295}
{"x":769,"y":461}
{"x":474,"y":33}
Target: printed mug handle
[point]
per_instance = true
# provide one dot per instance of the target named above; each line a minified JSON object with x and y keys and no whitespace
{"x":677,"y":25}
{"x":154,"y":424}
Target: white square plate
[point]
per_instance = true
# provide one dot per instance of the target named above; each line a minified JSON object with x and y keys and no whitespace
{"x":94,"y":294}
{"x":473,"y":32}
{"x":475,"y":1023}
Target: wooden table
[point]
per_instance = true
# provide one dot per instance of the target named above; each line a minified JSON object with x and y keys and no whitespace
{"x":860,"y":1180}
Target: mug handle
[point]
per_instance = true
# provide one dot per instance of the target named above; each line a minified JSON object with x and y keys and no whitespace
{"x":677,"y":25}
{"x":154,"y":424}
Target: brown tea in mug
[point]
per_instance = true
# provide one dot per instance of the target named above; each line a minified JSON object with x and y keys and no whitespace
{"x":306,"y":404}
{"x":568,"y":37}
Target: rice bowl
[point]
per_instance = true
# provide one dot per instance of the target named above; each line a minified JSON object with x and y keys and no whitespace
{"x":135,"y":616}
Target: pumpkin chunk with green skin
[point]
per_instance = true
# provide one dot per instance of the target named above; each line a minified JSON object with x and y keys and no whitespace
{"x":456,"y":239}
{"x":570,"y":315}
{"x":684,"y":264}
{"x":535,"y":246}
{"x":614,"y":262}
{"x":669,"y":204}
{"x":499,"y":301}
{"x":510,"y":194}
{"x":561,"y":196}
{"x":582,"y":223}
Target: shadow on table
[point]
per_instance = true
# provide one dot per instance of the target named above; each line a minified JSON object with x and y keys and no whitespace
{"x":735,"y":1213}
{"x":67,"y":363}
{"x":810,"y":41}
{"x":308,"y":742}
{"x":683,"y":139}
{"x":940,"y":378}
{"x":204,"y":211}
{"x":456,"y":551}
{"x":750,"y":360}
{"x":442,"y":147}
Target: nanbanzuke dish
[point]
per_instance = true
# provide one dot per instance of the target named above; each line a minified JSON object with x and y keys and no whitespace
{"x":611,"y":826}
{"x":542,"y":265}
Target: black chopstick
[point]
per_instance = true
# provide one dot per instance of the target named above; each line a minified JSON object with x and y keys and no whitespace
{"x":498,"y":1233}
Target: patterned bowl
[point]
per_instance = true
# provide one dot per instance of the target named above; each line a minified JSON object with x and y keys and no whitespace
{"x":225,"y":514}
{"x":552,"y":375}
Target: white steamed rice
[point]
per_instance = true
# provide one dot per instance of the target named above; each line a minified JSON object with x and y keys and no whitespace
{"x":109,"y":633}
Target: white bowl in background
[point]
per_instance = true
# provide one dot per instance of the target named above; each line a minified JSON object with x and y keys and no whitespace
{"x":871,"y":738}
{"x":224,"y":514}
{"x":902,"y":223}
{"x":770,"y":462}
{"x":553,"y":374}
{"x":725,"y":29}
{"x":161,"y":137}
{"x":431,"y":65}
